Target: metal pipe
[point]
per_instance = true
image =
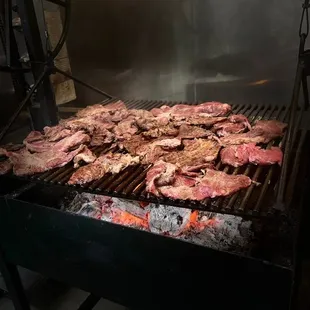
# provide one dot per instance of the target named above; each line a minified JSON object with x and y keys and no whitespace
{"x":83,"y":83}
{"x":291,"y":129}
{"x":22,"y":104}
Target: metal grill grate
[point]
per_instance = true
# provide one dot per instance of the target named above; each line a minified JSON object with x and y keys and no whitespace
{"x":130,"y":183}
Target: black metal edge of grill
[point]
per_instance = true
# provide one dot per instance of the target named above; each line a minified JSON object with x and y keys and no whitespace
{"x":130,"y":183}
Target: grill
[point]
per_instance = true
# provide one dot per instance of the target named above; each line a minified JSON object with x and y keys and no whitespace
{"x":259,"y":200}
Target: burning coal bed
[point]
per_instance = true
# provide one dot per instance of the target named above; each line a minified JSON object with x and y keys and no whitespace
{"x":218,"y":231}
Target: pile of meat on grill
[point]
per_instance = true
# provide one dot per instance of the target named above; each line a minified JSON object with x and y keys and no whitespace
{"x":180,"y":142}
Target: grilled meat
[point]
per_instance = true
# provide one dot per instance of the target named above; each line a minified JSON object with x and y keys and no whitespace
{"x":168,"y":130}
{"x":33,"y":136}
{"x":56,"y":133}
{"x":168,"y":180}
{"x":107,"y":163}
{"x":26,"y":163}
{"x":101,"y":136}
{"x":5,"y":166}
{"x":212,"y":184}
{"x":238,"y":155}
{"x":125,"y":129}
{"x":261,"y":132}
{"x":195,"y":152}
{"x":160,"y":174}
{"x":266,"y":157}
{"x":63,"y":145}
{"x":99,"y":108}
{"x":85,"y":156}
{"x":89,"y":124}
{"x":185,"y":110}
{"x":152,"y":151}
{"x":235,"y":124}
{"x":192,"y":132}
{"x":206,"y":121}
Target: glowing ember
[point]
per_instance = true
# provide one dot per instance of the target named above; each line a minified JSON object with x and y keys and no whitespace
{"x":127,"y":219}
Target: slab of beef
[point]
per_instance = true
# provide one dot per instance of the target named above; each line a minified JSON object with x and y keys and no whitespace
{"x":26,"y":163}
{"x":101,"y":136}
{"x":192,"y":132}
{"x":271,"y":128}
{"x":99,"y":108}
{"x":237,"y":123}
{"x":85,"y":156}
{"x":151,"y":122}
{"x":107,"y":163}
{"x":168,"y":130}
{"x":89,"y":124}
{"x":63,"y":145}
{"x":238,"y":155}
{"x":119,"y":115}
{"x":10,"y":147}
{"x":195,"y":152}
{"x":162,"y":173}
{"x":5,"y":166}
{"x":125,"y":129}
{"x":152,"y":151}
{"x":266,"y":157}
{"x":33,"y":136}
{"x":213,"y":184}
{"x":198,"y":120}
{"x":261,"y":132}
{"x":132,"y":144}
{"x":56,"y":133}
{"x":184,"y":110}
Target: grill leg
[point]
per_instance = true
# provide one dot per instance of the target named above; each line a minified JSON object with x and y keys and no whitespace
{"x":305,"y":91}
{"x":14,"y":284}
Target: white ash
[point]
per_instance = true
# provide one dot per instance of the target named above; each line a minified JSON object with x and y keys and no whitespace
{"x":91,"y":209}
{"x":225,"y":233}
{"x":168,"y":220}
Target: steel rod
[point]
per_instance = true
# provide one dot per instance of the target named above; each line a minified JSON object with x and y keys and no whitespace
{"x":23,"y":104}
{"x":99,"y":91}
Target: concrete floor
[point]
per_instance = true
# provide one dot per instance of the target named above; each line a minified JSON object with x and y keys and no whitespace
{"x":71,"y":300}
{"x":46,"y":294}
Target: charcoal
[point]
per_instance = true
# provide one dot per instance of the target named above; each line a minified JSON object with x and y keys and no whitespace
{"x":168,"y":220}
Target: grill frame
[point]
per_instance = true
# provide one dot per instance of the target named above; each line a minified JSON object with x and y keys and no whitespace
{"x":130,"y":183}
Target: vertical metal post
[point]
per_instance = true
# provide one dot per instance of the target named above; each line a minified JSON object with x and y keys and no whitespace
{"x":290,"y":134}
{"x":37,"y":54}
{"x":14,"y":284}
{"x":305,"y":91}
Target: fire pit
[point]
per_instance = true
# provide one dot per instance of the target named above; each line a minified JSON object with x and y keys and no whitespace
{"x":218,"y":231}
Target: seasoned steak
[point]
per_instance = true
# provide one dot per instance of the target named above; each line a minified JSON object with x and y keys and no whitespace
{"x":26,"y":163}
{"x":63,"y":145}
{"x":195,"y":152}
{"x":212,"y":184}
{"x":99,"y":108}
{"x":238,"y":155}
{"x":261,"y":132}
{"x":107,"y":163}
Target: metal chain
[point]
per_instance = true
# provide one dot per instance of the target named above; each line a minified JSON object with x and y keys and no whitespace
{"x":304,"y":21}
